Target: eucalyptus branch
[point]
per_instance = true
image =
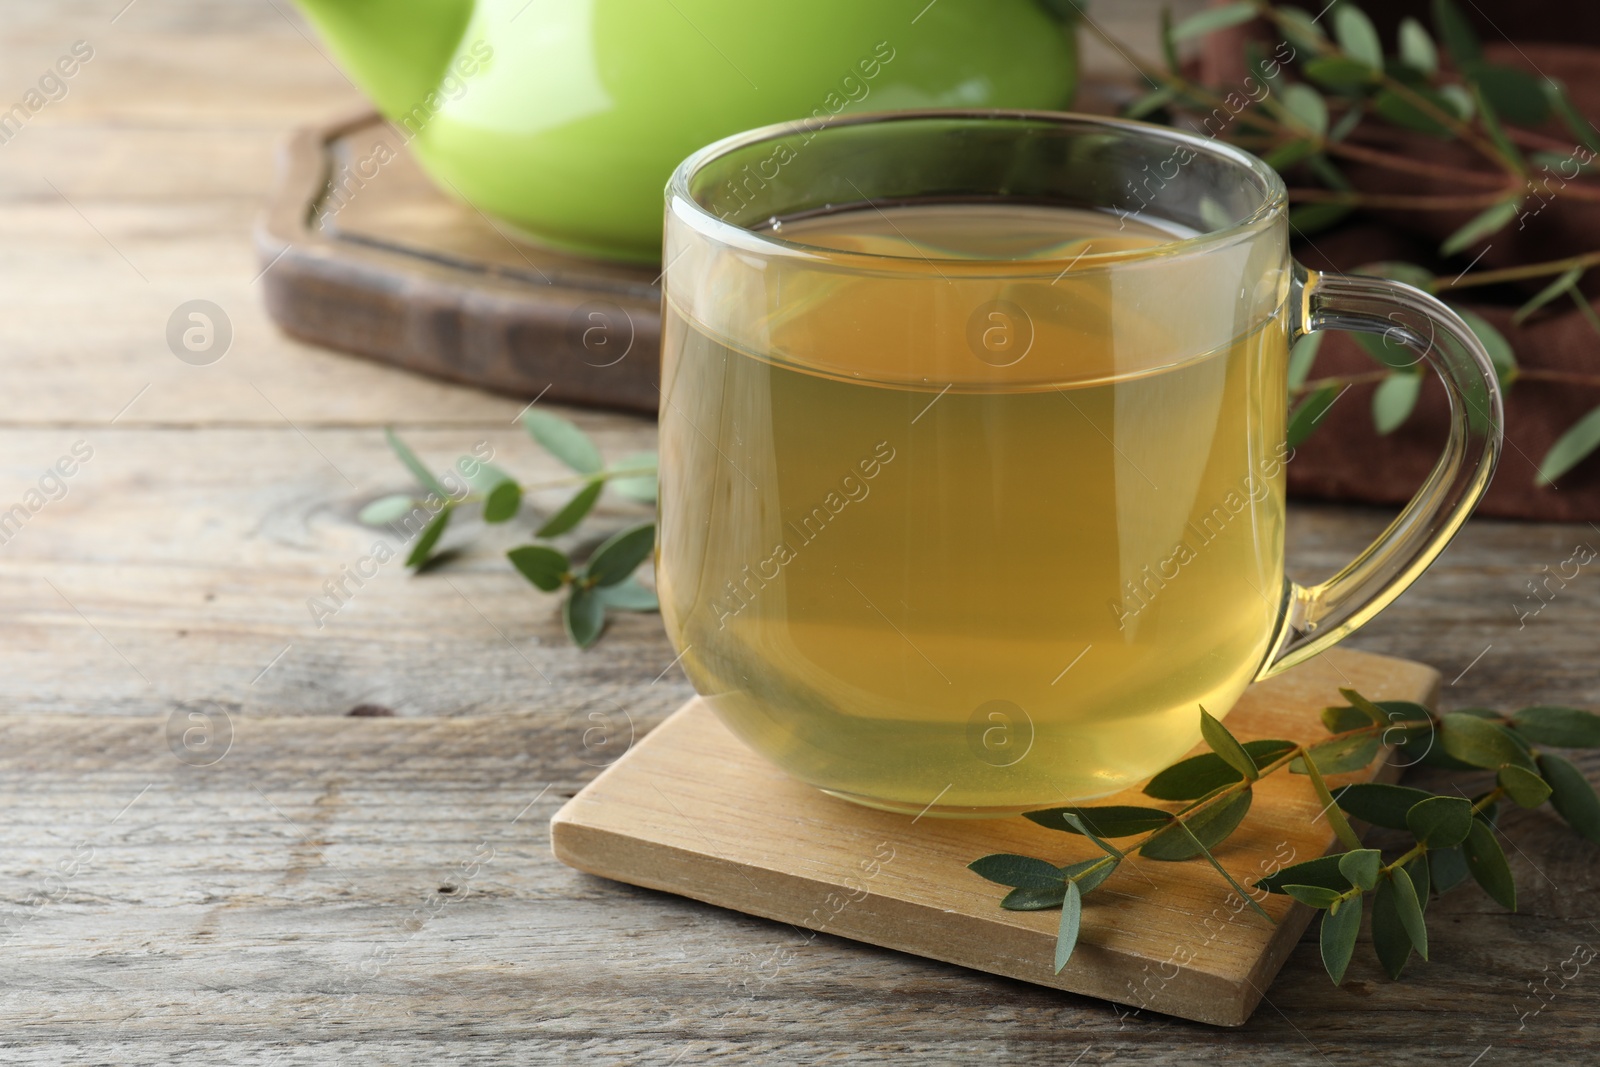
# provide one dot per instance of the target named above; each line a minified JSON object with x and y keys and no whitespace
{"x":1518,"y":273}
{"x":1402,"y":201}
{"x":600,"y":584}
{"x":1445,"y":118}
{"x":1454,"y":836}
{"x":1321,"y":97}
{"x":1395,"y":161}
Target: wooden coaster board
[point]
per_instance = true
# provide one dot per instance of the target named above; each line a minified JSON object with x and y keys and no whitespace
{"x":361,"y":251}
{"x":692,"y":811}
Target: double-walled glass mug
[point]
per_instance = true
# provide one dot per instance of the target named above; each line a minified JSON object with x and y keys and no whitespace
{"x":973,"y":448}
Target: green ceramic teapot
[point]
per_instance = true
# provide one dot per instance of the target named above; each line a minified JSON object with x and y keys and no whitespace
{"x":565,"y":117}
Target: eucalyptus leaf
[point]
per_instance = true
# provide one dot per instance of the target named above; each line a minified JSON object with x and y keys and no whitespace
{"x":628,"y":595}
{"x":640,"y":487}
{"x":1339,"y":720}
{"x":1494,"y":342}
{"x":1523,"y":786}
{"x":1035,"y":899}
{"x":1151,"y":101}
{"x":1487,"y":862}
{"x":1244,"y":895}
{"x":1394,"y":400}
{"x":1580,"y":127}
{"x":1314,"y":895}
{"x":1490,"y":812}
{"x":1441,"y":822}
{"x":1111,"y":821}
{"x":387,"y":509}
{"x":1088,"y":874}
{"x":1356,"y":35}
{"x":1571,"y":448}
{"x":1306,"y":106}
{"x":1347,"y":122}
{"x":1457,"y":33}
{"x":584,"y":614}
{"x":1571,"y":795}
{"x":1225,"y":745}
{"x":1105,"y":846}
{"x":1386,"y":349}
{"x":503,"y":502}
{"x":1022,"y":872}
{"x":418,"y":469}
{"x":1196,"y":776}
{"x":1209,"y":828}
{"x":1067,"y":932}
{"x":1447,"y":868}
{"x":542,"y":565}
{"x":1390,"y":939}
{"x":481,"y":475}
{"x":572,"y":512}
{"x":1516,"y":94}
{"x":563,"y":440}
{"x":1307,"y":219}
{"x":1417,"y":871}
{"x":1400,"y":271}
{"x":1416,"y":46}
{"x":1341,"y":755}
{"x":1492,"y":128}
{"x":1548,"y":160}
{"x":1325,"y":169}
{"x":1481,"y":225}
{"x":1322,"y":871}
{"x":1340,"y":925}
{"x":1330,"y":807}
{"x":430,"y":537}
{"x":1462,"y":102}
{"x":1406,"y":711}
{"x":1287,"y":155}
{"x":1406,"y":74}
{"x":1567,"y":280}
{"x":1268,"y":750}
{"x":1380,"y":804}
{"x":1403,"y":111}
{"x":1210,"y":20}
{"x":1481,"y":742}
{"x":1410,"y":909}
{"x":1302,"y":356}
{"x":620,"y":555}
{"x":1169,"y":47}
{"x":1302,"y":30}
{"x":1309,"y":412}
{"x":1361,"y":866}
{"x":1339,"y":73}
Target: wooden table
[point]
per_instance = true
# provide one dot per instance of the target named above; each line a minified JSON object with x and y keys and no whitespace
{"x":381,"y":889}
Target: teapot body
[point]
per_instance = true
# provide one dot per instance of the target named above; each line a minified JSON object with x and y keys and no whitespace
{"x":564,"y":118}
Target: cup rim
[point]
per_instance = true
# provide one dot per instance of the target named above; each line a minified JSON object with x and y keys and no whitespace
{"x":682,"y":204}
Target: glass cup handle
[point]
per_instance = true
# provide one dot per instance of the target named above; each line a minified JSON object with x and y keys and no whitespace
{"x":1318,"y":616}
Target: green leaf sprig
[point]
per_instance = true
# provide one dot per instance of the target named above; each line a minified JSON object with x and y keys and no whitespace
{"x":1453,"y":835}
{"x":604,"y":582}
{"x":1317,"y":89}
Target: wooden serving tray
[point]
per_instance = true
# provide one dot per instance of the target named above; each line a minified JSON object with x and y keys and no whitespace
{"x":692,"y":811}
{"x":360,"y":251}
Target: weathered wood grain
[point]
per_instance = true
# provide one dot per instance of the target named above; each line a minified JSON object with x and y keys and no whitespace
{"x":294,"y":894}
{"x":208,"y":930}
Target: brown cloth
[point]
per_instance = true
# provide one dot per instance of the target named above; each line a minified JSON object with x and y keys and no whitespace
{"x":1346,"y":459}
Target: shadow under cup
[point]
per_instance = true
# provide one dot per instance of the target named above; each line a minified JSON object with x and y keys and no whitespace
{"x":973,"y":533}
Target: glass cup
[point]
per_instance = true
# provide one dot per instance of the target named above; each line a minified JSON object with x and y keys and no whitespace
{"x":958,"y":519}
